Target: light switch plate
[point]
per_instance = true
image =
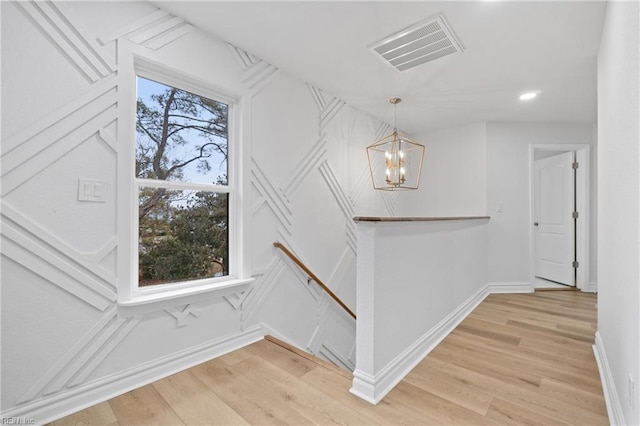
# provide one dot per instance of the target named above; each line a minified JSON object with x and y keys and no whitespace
{"x":92,"y":190}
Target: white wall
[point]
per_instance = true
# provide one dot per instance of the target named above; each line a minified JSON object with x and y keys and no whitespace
{"x":508,"y":185}
{"x":454,"y":175}
{"x":416,"y":281}
{"x":619,"y":208}
{"x":65,"y":341}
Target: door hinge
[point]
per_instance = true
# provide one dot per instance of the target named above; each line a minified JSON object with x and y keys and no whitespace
{"x":574,"y":215}
{"x":575,"y":264}
{"x":574,"y":165}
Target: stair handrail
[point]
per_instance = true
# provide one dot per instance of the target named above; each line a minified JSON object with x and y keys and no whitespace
{"x":314,"y":277}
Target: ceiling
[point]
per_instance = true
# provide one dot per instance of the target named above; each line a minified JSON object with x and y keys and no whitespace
{"x":509,"y":48}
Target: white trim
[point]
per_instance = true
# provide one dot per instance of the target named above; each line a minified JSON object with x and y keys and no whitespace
{"x":611,"y":399}
{"x":49,"y":409}
{"x":592,"y":288}
{"x":510,"y":287}
{"x":373,"y":388}
{"x":583,"y":192}
{"x":171,"y":297}
{"x":134,"y":61}
{"x":187,"y":186}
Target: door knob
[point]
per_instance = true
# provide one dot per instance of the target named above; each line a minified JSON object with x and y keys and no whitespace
{"x":535,"y":223}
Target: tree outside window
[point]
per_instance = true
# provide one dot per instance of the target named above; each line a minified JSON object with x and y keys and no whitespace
{"x":183,"y":193}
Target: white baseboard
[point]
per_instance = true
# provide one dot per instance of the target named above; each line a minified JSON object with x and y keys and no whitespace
{"x":510,"y":287}
{"x":611,"y":399}
{"x":592,"y":288}
{"x":373,"y":388}
{"x":59,"y":405}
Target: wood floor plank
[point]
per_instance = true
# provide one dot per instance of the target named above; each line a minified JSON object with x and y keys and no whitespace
{"x":510,"y":414}
{"x":144,"y":406}
{"x":256,"y":404}
{"x":472,"y":398}
{"x":517,"y":359}
{"x":99,"y":414}
{"x":433,"y":409}
{"x":300,"y":396}
{"x":527,"y":354}
{"x":586,"y":399}
{"x":385,"y":412}
{"x":285,"y":359}
{"x":194,"y":403}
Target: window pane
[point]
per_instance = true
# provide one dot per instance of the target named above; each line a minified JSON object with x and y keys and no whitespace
{"x":180,"y":136}
{"x":183,"y":235}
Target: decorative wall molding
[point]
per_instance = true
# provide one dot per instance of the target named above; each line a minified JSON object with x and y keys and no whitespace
{"x":304,"y":280}
{"x":336,"y":276}
{"x":362,"y":182}
{"x":335,"y":357}
{"x":256,"y":73}
{"x":84,"y":357}
{"x":343,"y":201}
{"x":311,"y":161}
{"x":389,"y":200}
{"x":69,"y":38}
{"x":183,"y":315}
{"x":99,"y":256}
{"x":95,"y":392}
{"x":611,"y":398}
{"x":53,"y":125}
{"x":510,"y":287}
{"x":262,"y":287}
{"x":328,"y":109}
{"x":245,"y":59}
{"x":374,"y":388}
{"x":43,"y":254}
{"x":236,"y":299}
{"x":153,"y":31}
{"x":31,"y":151}
{"x":276,"y":200}
{"x":108,"y":139}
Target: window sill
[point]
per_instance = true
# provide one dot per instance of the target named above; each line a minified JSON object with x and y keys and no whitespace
{"x":153,"y":300}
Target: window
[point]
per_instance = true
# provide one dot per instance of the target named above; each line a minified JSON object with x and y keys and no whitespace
{"x":182,"y":185}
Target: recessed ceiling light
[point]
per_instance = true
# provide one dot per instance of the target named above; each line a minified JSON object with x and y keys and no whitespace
{"x":529,"y":95}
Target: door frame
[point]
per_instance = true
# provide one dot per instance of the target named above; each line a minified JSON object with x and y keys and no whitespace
{"x":583,"y":194}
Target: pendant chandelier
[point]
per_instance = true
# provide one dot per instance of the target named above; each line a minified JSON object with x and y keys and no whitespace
{"x":395,"y":161}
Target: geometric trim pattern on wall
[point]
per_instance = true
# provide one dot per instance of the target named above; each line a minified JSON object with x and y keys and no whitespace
{"x":182,"y":315}
{"x":256,"y":73}
{"x":154,"y":31}
{"x":344,"y":202}
{"x":337,"y":278}
{"x":32,"y":150}
{"x":389,"y":201}
{"x":98,"y":256}
{"x":109,"y":140}
{"x":309,"y":162}
{"x":360,"y":184}
{"x":85,"y":356}
{"x":328,"y":109}
{"x":334,"y":356}
{"x":262,"y":289}
{"x":31,"y":246}
{"x":236,"y":299}
{"x":274,"y":197}
{"x":69,"y":38}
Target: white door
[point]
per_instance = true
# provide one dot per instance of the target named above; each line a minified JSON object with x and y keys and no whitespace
{"x":554,"y":225}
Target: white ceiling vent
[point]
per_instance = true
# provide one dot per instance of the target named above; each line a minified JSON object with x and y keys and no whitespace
{"x":420,"y":43}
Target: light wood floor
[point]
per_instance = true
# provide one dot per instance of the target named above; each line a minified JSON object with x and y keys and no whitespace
{"x":521,"y":359}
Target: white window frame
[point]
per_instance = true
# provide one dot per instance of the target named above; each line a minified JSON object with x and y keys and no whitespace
{"x":133,"y":63}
